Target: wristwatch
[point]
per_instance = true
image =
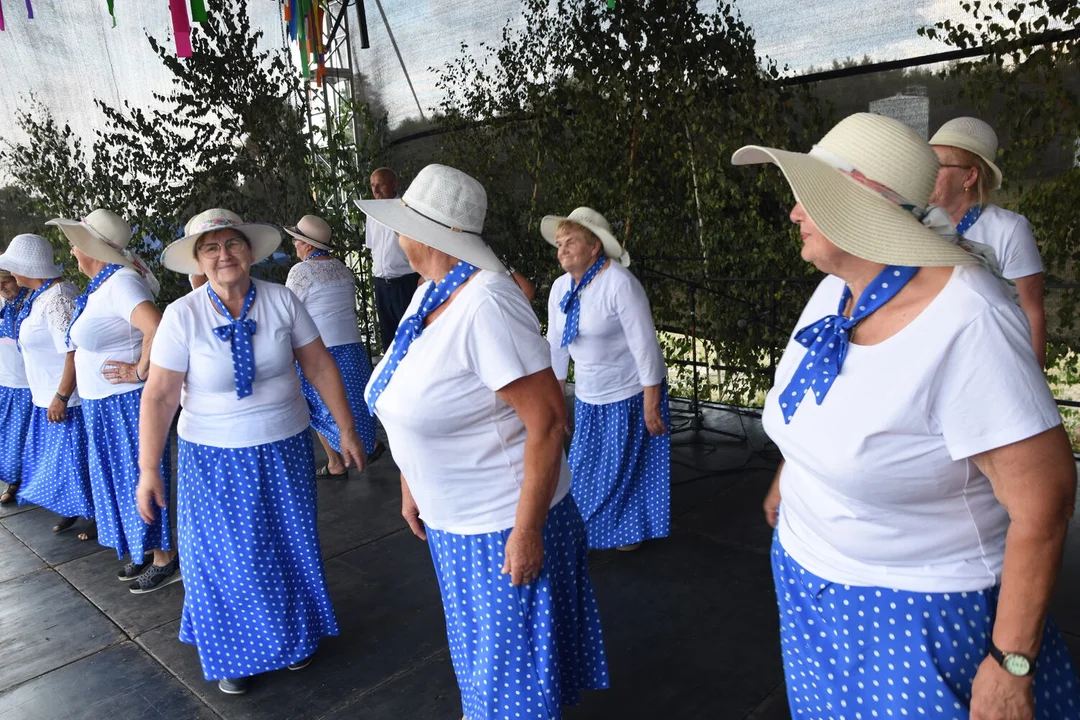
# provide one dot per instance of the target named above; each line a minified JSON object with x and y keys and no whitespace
{"x":1014,"y":663}
{"x":63,"y":398}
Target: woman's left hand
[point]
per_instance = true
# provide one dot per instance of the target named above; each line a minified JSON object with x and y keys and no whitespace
{"x":654,"y":421}
{"x":997,"y":695}
{"x":352,"y":450}
{"x":524,"y":556}
{"x":57,"y":411}
{"x":117,"y":372}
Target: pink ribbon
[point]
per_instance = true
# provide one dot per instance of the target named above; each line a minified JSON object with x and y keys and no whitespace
{"x":181,"y":27}
{"x":1,"y":15}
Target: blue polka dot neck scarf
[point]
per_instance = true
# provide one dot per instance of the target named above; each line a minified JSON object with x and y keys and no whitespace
{"x":9,"y":311}
{"x":28,"y":305}
{"x":969,"y":219}
{"x":412,"y":326}
{"x":95,"y":282}
{"x":571,"y":302}
{"x":827,"y":339}
{"x":239,"y":333}
{"x":317,"y":254}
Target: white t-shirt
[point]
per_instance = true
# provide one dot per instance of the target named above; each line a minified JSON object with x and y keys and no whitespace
{"x":212,"y":414}
{"x":1011,"y":237}
{"x":12,"y":372}
{"x":328,"y":290}
{"x":43,"y":337}
{"x":461,"y":448}
{"x":104,"y":332}
{"x":616,"y":352}
{"x":387,"y":258}
{"x":877,"y":489}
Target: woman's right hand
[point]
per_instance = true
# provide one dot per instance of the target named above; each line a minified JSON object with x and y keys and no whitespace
{"x":771,"y":506}
{"x":411,"y":512}
{"x":150,"y":495}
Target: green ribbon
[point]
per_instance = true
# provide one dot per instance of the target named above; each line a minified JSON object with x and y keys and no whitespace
{"x":302,"y":29}
{"x":198,"y":11}
{"x":112,"y":12}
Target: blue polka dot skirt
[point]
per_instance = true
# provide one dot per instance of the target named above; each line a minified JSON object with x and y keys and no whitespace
{"x":857,"y":653}
{"x":255,"y":596}
{"x":355,"y":366}
{"x":526,"y":651}
{"x":56,"y":475}
{"x":112,"y":433}
{"x":620,"y":474}
{"x":16,"y":407}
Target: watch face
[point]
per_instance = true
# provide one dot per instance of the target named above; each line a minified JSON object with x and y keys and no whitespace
{"x":1016,"y":665}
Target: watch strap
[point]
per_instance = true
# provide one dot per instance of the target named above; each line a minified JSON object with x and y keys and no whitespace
{"x":999,"y":658}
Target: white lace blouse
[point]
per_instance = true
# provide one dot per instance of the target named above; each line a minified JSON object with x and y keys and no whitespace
{"x":328,"y":290}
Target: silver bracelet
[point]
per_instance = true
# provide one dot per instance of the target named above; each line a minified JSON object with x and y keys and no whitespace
{"x":137,"y":378}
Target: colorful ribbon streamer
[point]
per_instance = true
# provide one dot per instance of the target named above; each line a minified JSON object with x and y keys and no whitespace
{"x":112,"y":13}
{"x":181,"y":27}
{"x":198,"y":11}
{"x":1,"y":15}
{"x":29,"y":10}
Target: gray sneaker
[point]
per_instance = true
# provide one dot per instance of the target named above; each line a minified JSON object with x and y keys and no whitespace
{"x":233,"y":686}
{"x":133,"y":570}
{"x":156,"y":577}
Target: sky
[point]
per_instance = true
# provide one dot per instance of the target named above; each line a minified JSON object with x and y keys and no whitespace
{"x":70,"y":54}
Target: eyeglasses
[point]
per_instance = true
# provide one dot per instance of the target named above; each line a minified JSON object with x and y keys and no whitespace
{"x":233,"y":246}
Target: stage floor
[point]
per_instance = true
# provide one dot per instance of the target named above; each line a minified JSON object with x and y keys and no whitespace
{"x":690,"y":621}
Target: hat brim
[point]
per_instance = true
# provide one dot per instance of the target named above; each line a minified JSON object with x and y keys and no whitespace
{"x":963,"y":142}
{"x":405,"y":221}
{"x":14,"y":266}
{"x":295,"y":232}
{"x":612,"y":248}
{"x":179,"y":255}
{"x":88,"y":242}
{"x":855,"y":218}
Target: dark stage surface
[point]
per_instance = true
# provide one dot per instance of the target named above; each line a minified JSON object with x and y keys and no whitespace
{"x":690,"y":621}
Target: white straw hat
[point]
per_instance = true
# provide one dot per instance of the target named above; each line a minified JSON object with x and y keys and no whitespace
{"x":104,"y":236}
{"x":973,"y":135}
{"x":866,"y":186}
{"x":30,"y":256}
{"x":443,"y":208}
{"x":314,"y":231}
{"x":596,"y":223}
{"x":179,"y":255}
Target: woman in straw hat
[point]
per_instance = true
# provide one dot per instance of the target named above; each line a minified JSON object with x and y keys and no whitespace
{"x":476,"y":419}
{"x":255,"y":596}
{"x":55,"y":474}
{"x":598,"y":315}
{"x":111,"y":330}
{"x":966,"y":148}
{"x":16,"y":404}
{"x":328,"y":290}
{"x":917,"y":430}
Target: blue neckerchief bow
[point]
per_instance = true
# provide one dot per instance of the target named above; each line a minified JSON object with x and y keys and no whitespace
{"x":571,"y":303}
{"x":969,"y":219}
{"x":412,"y":326}
{"x":316,"y":254}
{"x":9,"y":312}
{"x":95,"y":282}
{"x":827,"y":339}
{"x":239,"y":333}
{"x":27,"y":306}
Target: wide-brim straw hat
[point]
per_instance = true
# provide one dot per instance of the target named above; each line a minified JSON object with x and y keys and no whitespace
{"x":866,"y":186}
{"x":975,"y":136}
{"x":103,"y":235}
{"x":314,"y":231}
{"x":179,"y":255}
{"x":443,"y":208}
{"x":595,"y":223}
{"x":30,"y":256}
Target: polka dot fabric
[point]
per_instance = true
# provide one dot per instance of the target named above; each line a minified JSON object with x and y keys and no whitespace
{"x":858,"y":653}
{"x":570,"y":304}
{"x":527,"y":651}
{"x":16,"y":407}
{"x":620,"y":474}
{"x":56,"y":474}
{"x":238,"y":334}
{"x":355,"y":367}
{"x":112,"y":433}
{"x":255,"y":596}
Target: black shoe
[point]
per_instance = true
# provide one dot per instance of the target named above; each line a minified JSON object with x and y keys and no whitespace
{"x":233,"y":686}
{"x":133,"y":570}
{"x":156,"y":577}
{"x":303,"y":663}
{"x":8,"y":497}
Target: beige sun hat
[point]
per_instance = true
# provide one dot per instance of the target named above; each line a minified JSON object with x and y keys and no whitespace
{"x":973,"y":135}
{"x":443,"y":208}
{"x":105,"y":236}
{"x":314,"y":231}
{"x":179,"y":255}
{"x":866,"y":186}
{"x":596,"y":223}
